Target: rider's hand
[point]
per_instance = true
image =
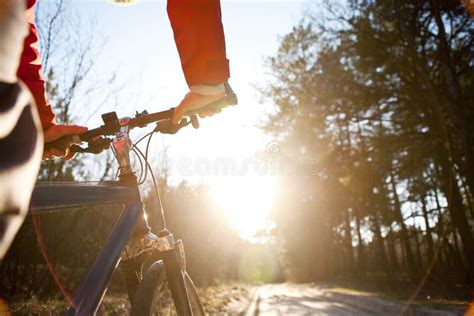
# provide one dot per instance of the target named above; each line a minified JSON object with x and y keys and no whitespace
{"x":54,"y":133}
{"x":198,"y":97}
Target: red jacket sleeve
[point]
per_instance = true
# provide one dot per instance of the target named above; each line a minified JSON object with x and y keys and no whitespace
{"x":199,"y":37}
{"x":30,"y":71}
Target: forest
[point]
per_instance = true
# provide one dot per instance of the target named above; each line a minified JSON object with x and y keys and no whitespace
{"x":381,"y":93}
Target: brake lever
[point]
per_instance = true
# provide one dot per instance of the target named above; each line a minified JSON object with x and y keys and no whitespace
{"x":94,"y":147}
{"x":76,"y":149}
{"x":167,"y":127}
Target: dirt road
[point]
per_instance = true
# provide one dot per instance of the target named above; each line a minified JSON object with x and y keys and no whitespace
{"x":304,"y":299}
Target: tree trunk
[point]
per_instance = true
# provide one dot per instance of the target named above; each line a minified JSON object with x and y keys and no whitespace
{"x":392,"y":251}
{"x":442,"y":242}
{"x":348,"y":243}
{"x":361,"y":261}
{"x":412,"y":270}
{"x":429,"y":236}
{"x":418,"y":248}
{"x":459,"y":219}
{"x":382,"y":254}
{"x":468,"y":195}
{"x":458,"y":253}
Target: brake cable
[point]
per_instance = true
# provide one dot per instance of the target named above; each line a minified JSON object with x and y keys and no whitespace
{"x":155,"y":186}
{"x":141,"y":180}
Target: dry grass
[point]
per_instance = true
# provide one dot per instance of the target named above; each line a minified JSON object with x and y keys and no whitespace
{"x":225,"y":298}
{"x":216,"y":299}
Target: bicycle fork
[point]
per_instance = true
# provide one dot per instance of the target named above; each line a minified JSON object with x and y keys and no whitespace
{"x":175,"y":265}
{"x":140,"y":254}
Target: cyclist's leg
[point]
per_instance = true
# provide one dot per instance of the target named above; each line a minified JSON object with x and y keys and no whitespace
{"x":20,"y":137}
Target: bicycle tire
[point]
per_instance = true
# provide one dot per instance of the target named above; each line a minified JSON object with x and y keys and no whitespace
{"x":153,"y":296}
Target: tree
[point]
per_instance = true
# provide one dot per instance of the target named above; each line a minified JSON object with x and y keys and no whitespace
{"x":387,"y":91}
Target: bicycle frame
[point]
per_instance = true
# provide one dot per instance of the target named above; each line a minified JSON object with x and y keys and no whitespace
{"x":54,"y":196}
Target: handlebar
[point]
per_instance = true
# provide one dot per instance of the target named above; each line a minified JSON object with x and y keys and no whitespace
{"x":112,"y":124}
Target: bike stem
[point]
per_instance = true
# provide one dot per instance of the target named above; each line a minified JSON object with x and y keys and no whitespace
{"x":122,"y":146}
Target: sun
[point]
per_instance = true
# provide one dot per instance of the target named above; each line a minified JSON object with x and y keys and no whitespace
{"x":245,"y":202}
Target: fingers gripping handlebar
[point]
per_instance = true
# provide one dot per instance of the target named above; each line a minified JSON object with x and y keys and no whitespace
{"x":229,"y":99}
{"x":112,"y":125}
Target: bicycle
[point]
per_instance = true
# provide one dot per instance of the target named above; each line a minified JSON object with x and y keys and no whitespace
{"x":152,"y":265}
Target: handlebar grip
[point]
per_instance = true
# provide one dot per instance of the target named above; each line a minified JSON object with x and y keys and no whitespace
{"x":63,"y":142}
{"x":229,"y":100}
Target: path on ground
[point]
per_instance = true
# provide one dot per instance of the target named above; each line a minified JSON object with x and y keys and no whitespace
{"x":308,"y":299}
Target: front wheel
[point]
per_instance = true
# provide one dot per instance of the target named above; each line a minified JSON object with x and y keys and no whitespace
{"x":153,"y":295}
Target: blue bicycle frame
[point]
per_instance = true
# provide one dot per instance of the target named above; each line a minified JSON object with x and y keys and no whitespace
{"x":48,"y":197}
